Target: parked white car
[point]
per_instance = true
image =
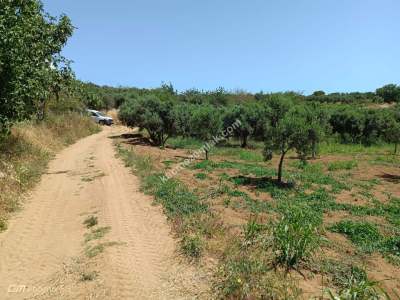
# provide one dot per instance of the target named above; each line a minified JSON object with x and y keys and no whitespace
{"x":100,"y":118}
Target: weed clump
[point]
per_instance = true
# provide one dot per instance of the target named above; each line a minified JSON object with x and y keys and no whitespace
{"x":201,"y":176}
{"x":342,"y":165}
{"x":3,"y":225}
{"x":177,"y":200}
{"x":89,"y":276}
{"x":365,"y":235}
{"x":91,"y":221}
{"x":244,"y":276}
{"x":97,"y":233}
{"x":295,"y":236}
{"x":192,"y":246}
{"x":360,"y":288}
{"x":92,"y":251}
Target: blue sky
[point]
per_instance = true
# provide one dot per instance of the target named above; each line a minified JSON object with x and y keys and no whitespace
{"x":280,"y":45}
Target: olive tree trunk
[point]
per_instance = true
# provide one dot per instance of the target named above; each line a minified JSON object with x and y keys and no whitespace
{"x":280,"y":168}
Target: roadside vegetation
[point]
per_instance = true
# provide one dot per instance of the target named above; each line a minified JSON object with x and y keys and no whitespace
{"x":300,"y":202}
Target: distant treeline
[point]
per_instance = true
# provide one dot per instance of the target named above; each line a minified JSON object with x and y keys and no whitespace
{"x":105,"y":97}
{"x":172,"y":113}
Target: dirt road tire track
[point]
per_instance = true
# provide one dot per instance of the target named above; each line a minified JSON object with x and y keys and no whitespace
{"x":48,"y":233}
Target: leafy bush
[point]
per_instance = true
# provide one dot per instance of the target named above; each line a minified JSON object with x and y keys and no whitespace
{"x":389,"y":93}
{"x":34,"y":69}
{"x":151,"y":113}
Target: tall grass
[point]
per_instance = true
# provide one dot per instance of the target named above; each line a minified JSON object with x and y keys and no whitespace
{"x":349,"y":149}
{"x":295,"y":236}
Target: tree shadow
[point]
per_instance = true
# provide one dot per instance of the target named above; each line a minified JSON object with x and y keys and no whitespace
{"x":188,"y":157}
{"x":390,"y":178}
{"x":133,"y":139}
{"x":228,"y":144}
{"x":261,"y":182}
{"x":126,"y":136}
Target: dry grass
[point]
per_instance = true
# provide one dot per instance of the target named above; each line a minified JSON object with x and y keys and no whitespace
{"x":25,"y":153}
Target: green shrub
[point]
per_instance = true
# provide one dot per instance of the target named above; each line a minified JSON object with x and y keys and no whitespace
{"x":365,"y":235}
{"x":295,"y":236}
{"x":151,"y":113}
{"x":192,"y":246}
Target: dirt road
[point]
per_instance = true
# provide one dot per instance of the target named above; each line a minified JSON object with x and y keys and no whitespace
{"x":48,"y":253}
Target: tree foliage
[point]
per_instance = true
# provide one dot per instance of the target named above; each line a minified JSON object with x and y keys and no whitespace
{"x":249,"y":116}
{"x":291,"y":132}
{"x":206,"y":121}
{"x":31,"y":67}
{"x":389,"y":93}
{"x":150,"y":113}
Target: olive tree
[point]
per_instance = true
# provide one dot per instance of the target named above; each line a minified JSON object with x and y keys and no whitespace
{"x":248,"y":115}
{"x":182,"y":115}
{"x":318,"y":120}
{"x":392,"y":131}
{"x":275,"y":107}
{"x":349,"y":123}
{"x":30,"y":61}
{"x":206,"y":123}
{"x":291,"y":132}
{"x":389,"y":93}
{"x":150,"y":113}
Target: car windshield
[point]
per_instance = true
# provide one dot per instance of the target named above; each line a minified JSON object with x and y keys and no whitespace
{"x":100,"y":114}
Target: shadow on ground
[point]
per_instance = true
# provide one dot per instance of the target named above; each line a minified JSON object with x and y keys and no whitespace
{"x":133,"y":139}
{"x":390,"y":177}
{"x":261,"y":182}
